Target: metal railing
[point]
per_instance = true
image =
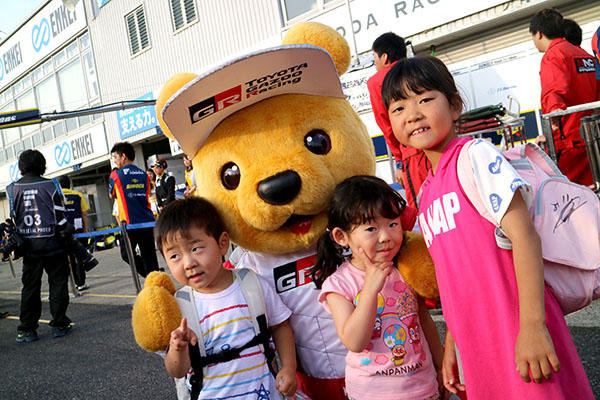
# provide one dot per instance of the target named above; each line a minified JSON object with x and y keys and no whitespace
{"x":589,"y":132}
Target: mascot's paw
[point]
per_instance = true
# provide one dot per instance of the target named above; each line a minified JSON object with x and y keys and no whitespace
{"x":155,"y":312}
{"x":416,"y":266}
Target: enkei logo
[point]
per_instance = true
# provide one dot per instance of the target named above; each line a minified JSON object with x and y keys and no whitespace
{"x":294,"y":274}
{"x":40,"y":34}
{"x":1,"y":69}
{"x":62,"y":154}
{"x":218,"y":102}
{"x":584,"y":65}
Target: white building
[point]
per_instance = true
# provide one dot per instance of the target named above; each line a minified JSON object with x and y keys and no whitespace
{"x":139,"y":44}
{"x":48,"y":63}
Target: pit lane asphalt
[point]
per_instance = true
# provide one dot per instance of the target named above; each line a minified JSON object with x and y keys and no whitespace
{"x":100,"y":359}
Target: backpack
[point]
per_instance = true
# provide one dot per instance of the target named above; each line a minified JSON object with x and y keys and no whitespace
{"x":253,"y":295}
{"x":565,"y":215}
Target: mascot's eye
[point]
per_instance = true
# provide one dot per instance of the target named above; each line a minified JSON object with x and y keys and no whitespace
{"x":230,"y":176}
{"x":318,"y":142}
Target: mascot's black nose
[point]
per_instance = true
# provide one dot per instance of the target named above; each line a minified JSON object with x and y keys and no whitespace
{"x":280,"y":188}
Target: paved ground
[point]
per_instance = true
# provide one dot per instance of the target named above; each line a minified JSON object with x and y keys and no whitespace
{"x":100,"y":359}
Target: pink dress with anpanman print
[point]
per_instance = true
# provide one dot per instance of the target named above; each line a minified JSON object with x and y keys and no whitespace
{"x":397,"y":364}
{"x":478,"y":286}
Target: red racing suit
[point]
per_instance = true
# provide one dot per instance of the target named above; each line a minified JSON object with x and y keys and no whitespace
{"x":568,"y":78}
{"x":415,"y":164}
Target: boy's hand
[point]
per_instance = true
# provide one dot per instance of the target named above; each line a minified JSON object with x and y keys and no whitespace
{"x":375,"y":271}
{"x":182,"y":336}
{"x":285,"y":382}
{"x":534,"y":351}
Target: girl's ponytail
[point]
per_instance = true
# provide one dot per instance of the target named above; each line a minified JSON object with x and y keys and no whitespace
{"x":329,"y":257}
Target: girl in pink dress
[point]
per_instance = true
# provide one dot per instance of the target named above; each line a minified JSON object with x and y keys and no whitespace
{"x":394,"y":347}
{"x":506,"y":324}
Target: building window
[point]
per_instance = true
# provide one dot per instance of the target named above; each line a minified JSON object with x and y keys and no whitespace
{"x":90,"y":72}
{"x":295,"y":8}
{"x":26,"y":102}
{"x":72,"y":86}
{"x":37,"y":139}
{"x":183,"y":12}
{"x":47,"y":134}
{"x":59,"y":129}
{"x":47,"y":95}
{"x":137,"y":30}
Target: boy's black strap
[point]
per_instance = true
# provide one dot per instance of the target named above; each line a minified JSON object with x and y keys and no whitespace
{"x":197,"y":376}
{"x":198,"y":362}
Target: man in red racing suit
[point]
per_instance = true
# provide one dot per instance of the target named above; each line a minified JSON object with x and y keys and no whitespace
{"x":567,"y":78}
{"x":412,"y":163}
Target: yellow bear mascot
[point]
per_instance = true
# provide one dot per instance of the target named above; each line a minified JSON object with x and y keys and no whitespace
{"x":271,"y":135}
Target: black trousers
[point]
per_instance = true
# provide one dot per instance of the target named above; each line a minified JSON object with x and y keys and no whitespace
{"x":78,"y":270}
{"x":143,"y":238}
{"x":31,"y":303}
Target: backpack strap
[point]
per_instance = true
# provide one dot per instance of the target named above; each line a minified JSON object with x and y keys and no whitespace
{"x":187,"y":305}
{"x":253,"y":293}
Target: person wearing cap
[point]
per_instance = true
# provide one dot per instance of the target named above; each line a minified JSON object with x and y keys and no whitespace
{"x":412,"y":165}
{"x":164,"y":183}
{"x":190,"y":179}
{"x":130,"y":186}
{"x":567,"y":79}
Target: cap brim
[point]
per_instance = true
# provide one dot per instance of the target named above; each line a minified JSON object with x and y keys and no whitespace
{"x":198,"y":107}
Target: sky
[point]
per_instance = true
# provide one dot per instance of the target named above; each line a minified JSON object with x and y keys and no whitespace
{"x":14,"y":13}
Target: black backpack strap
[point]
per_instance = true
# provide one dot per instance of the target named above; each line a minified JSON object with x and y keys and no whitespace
{"x":197,"y":376}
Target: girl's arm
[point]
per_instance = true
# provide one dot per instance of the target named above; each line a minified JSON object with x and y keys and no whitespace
{"x":450,"y":372}
{"x":284,"y":343}
{"x":534,"y":349}
{"x":177,"y":359}
{"x":433,"y":340}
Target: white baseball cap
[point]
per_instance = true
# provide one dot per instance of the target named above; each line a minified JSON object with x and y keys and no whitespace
{"x":193,"y":112}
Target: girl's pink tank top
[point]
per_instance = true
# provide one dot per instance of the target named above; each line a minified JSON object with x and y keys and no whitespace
{"x":479,"y":294}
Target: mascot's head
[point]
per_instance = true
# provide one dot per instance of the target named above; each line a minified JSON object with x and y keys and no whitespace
{"x":271,"y":134}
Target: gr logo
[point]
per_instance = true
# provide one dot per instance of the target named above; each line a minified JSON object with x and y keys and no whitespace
{"x":294,"y":274}
{"x":218,"y":102}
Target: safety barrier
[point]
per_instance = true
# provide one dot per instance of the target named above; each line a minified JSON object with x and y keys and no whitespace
{"x":124,"y":241}
{"x":589,"y":132}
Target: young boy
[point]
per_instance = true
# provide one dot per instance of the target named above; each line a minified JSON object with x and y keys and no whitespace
{"x":191,"y":237}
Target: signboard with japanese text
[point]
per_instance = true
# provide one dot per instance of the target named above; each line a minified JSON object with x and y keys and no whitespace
{"x":136,"y":120}
{"x":49,"y":29}
{"x":354,"y":85}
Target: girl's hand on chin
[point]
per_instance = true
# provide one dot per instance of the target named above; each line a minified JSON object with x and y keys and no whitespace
{"x":375,"y":271}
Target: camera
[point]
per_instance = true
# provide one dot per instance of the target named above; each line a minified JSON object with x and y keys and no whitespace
{"x":10,"y":240}
{"x":74,"y":246}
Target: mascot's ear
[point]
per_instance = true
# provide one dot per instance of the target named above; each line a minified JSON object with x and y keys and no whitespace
{"x":323,"y":36}
{"x":174,"y":83}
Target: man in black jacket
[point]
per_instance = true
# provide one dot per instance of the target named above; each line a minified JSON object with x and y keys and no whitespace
{"x":165,"y":183}
{"x":37,"y":207}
